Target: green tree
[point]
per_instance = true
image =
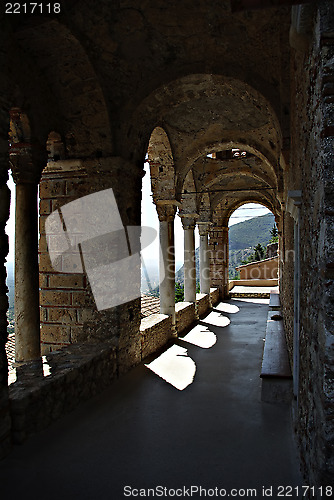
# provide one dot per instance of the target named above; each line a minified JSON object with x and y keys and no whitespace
{"x":274,"y":235}
{"x":179,"y":292}
{"x":259,"y":252}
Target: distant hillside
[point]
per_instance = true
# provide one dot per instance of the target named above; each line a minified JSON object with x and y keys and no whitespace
{"x":251,"y":232}
{"x":10,"y":283}
{"x":243,"y":237}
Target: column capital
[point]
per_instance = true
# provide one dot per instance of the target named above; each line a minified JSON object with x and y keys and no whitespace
{"x":166,"y":209}
{"x":188,"y":220}
{"x":204,"y":228}
{"x":293,"y":203}
{"x":27,"y":163}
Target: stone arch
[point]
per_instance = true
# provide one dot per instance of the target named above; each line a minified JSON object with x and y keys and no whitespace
{"x":227,"y":204}
{"x":268,"y":170}
{"x":61,"y":89}
{"x":205,"y":211}
{"x":160,"y":158}
{"x":19,"y":127}
{"x":181,"y":98}
{"x":263,"y":202}
{"x":55,"y":146}
{"x":189,"y":197}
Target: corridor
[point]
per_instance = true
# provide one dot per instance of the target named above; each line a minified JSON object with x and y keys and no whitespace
{"x":143,"y":432}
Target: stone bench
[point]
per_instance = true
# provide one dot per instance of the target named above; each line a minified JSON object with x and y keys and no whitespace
{"x":275,"y":373}
{"x":274,"y":302}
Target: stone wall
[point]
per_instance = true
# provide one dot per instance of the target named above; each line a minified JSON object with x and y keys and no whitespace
{"x":185,"y":315}
{"x":155,"y":330}
{"x":45,"y":391}
{"x":264,"y":269}
{"x":214,"y":293}
{"x":203,"y":303}
{"x":286,"y":282}
{"x":312,"y":153}
{"x":58,"y":382}
{"x":68,"y":310}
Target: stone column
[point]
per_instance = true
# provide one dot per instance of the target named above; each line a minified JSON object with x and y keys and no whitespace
{"x":188,"y":224}
{"x":27,"y":317}
{"x":166,"y":214}
{"x":204,"y":257}
{"x":219,"y":259}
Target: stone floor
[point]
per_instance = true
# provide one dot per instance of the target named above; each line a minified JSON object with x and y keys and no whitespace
{"x":143,"y":432}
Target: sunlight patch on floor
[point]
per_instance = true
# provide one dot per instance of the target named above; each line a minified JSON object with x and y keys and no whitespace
{"x":200,"y":336}
{"x":227,"y":308}
{"x":216,"y":319}
{"x":175,"y":367}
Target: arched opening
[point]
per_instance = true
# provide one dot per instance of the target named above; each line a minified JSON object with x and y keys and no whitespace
{"x":253,"y":238}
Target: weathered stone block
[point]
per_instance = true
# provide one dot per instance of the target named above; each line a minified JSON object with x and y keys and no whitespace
{"x":52,"y":189}
{"x":79,"y":298}
{"x":78,"y":334}
{"x":55,"y":298}
{"x":203,"y":303}
{"x":45,"y":262}
{"x":43,"y":280}
{"x":72,"y":281}
{"x":61,"y":315}
{"x":185,"y":315}
{"x":45,"y":207}
{"x":55,"y":333}
{"x":43,"y":313}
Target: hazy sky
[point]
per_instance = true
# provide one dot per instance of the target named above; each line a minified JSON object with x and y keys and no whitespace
{"x":149,"y":218}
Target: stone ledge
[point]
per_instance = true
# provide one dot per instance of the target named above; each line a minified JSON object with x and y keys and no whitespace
{"x":152,"y":320}
{"x":55,"y":384}
{"x":203,"y":303}
{"x":214,"y":293}
{"x":185,"y":315}
{"x":155,"y":330}
{"x":275,"y":372}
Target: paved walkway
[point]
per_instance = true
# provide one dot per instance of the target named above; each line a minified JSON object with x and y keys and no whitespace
{"x":143,"y":432}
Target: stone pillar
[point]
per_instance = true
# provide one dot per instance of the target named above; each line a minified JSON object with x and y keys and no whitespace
{"x":204,"y":258}
{"x":166,"y":214}
{"x":189,"y":259}
{"x":69,"y":308}
{"x":219,"y":259}
{"x":27,"y":317}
